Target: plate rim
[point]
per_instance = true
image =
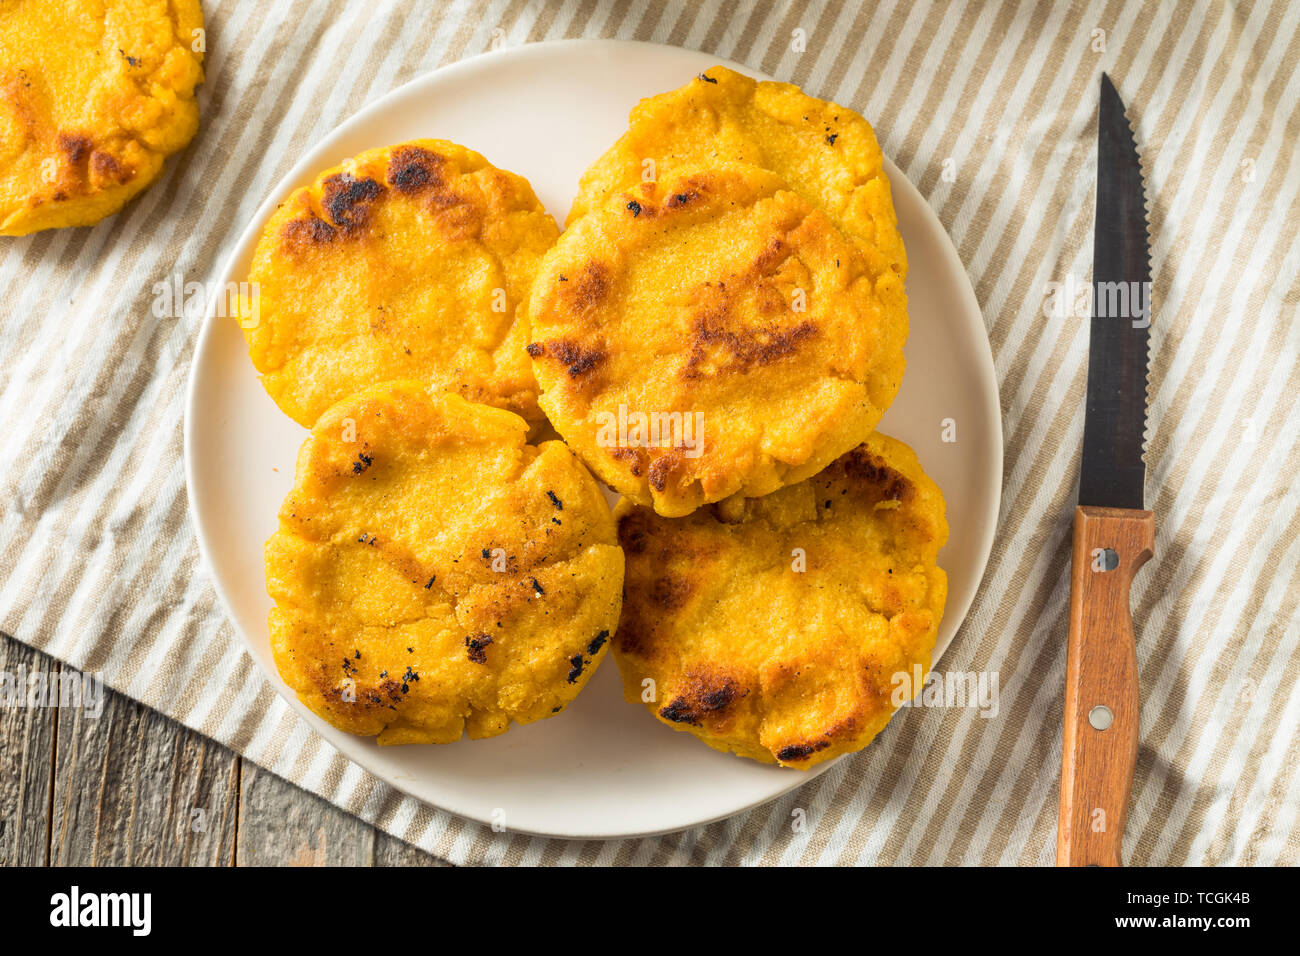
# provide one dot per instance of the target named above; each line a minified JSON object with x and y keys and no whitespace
{"x":304,"y":167}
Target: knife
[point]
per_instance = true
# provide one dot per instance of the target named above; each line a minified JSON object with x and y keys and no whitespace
{"x":1113,"y":532}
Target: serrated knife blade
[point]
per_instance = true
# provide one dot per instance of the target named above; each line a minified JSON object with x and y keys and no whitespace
{"x":1112,"y":472}
{"x":1113,"y":535}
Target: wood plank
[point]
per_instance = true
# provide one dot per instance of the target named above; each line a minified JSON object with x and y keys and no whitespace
{"x":27,"y":743}
{"x":129,"y":786}
{"x":390,"y":851}
{"x":281,"y":824}
{"x":132,"y":787}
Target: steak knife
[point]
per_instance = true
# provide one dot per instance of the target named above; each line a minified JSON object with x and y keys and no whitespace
{"x":1113,"y":532}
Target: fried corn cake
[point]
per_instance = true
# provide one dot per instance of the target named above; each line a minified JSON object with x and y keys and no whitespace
{"x":406,"y":262}
{"x":94,"y":96}
{"x":788,"y":628}
{"x":826,"y":153}
{"x":711,"y":334}
{"x":434,"y":574}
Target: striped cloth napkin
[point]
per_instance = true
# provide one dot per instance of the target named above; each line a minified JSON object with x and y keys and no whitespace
{"x":990,"y":110}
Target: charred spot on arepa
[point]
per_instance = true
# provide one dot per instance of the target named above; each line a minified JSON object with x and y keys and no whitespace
{"x":635,"y":528}
{"x":679,"y":712}
{"x":670,"y":591}
{"x":385,"y":693}
{"x":476,"y":647}
{"x":412,"y":169}
{"x":652,"y":204}
{"x":588,"y":289}
{"x":634,"y":459}
{"x":861,"y":465}
{"x":702,"y":694}
{"x":634,"y":635}
{"x":309,"y":230}
{"x":576,"y":359}
{"x":459,"y":216}
{"x":642,"y":533}
{"x":75,"y":146}
{"x":86,"y":167}
{"x":721,"y":338}
{"x":716,"y":349}
{"x":665,"y":466}
{"x":793,"y":753}
{"x":678,"y":200}
{"x":576,"y":664}
{"x":346,"y":200}
{"x":108,"y":168}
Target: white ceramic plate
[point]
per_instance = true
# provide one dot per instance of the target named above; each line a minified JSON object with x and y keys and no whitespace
{"x":603,"y":768}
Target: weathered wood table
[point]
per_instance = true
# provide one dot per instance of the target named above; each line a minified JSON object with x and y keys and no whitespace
{"x":132,"y":787}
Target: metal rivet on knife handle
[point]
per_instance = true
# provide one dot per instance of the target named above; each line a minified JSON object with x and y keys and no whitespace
{"x":1100,"y":717}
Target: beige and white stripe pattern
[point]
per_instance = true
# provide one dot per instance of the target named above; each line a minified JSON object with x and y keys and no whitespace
{"x":98,"y":564}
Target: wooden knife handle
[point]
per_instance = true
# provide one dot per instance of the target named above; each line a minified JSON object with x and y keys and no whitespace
{"x":1100,"y":674}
